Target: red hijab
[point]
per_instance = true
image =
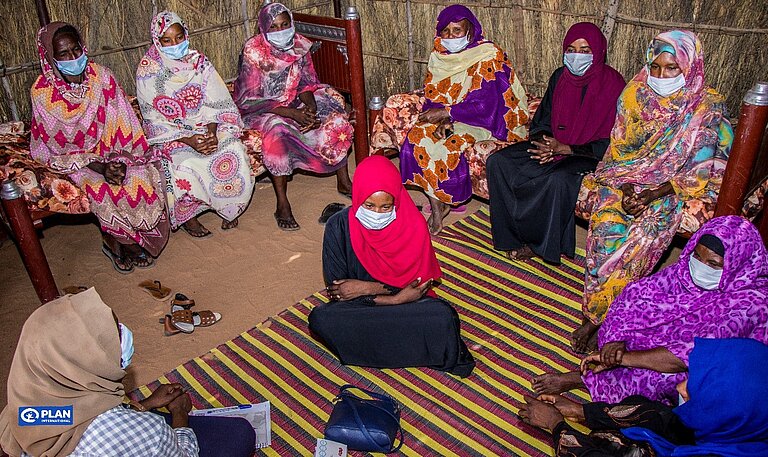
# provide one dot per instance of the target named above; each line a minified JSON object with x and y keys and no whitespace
{"x":576,"y":122}
{"x":402,"y":251}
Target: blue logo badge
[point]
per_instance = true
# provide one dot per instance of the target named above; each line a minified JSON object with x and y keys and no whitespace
{"x":45,"y":415}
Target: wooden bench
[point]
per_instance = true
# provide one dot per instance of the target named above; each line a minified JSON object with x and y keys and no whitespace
{"x":338,"y":58}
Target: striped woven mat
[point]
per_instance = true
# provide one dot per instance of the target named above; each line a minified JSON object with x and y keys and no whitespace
{"x":516,"y":318}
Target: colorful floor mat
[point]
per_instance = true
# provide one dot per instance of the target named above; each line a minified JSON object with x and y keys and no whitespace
{"x":516,"y":319}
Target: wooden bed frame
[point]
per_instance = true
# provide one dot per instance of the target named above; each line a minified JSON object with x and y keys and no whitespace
{"x":338,"y":59}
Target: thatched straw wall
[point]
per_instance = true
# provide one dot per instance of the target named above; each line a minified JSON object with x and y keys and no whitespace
{"x":531,"y":31}
{"x":734,"y":33}
{"x":111,"y":24}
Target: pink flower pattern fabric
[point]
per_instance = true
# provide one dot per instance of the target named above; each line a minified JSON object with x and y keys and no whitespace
{"x":268,"y":78}
{"x":178,"y":99}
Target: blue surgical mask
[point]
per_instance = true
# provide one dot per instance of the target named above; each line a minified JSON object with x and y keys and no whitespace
{"x":454,"y":45}
{"x":372,"y":220}
{"x":282,"y":39}
{"x":703,"y":275}
{"x":666,"y":86}
{"x":577,"y":63}
{"x":73,"y":67}
{"x":126,"y":346}
{"x":178,"y":51}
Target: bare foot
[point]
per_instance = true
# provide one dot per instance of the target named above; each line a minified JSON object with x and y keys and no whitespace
{"x":227,"y":225}
{"x":522,"y":254}
{"x":196,"y":229}
{"x":584,"y":338}
{"x":556,"y":383}
{"x":435,"y":220}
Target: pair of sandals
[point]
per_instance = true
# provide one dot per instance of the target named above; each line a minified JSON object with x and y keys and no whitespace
{"x":182,"y":319}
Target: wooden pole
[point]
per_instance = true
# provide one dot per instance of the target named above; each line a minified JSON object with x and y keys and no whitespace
{"x":42,"y":13}
{"x":610,"y":19}
{"x":28,"y":243}
{"x":411,"y":48}
{"x":9,"y":95}
{"x":746,"y":144}
{"x":357,"y":81}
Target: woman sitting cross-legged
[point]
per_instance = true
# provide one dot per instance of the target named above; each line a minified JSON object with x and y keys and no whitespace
{"x":190,"y":116}
{"x":379,"y":266}
{"x":717,"y":289}
{"x":72,"y":354}
{"x":472,"y":94}
{"x":533,"y":185}
{"x":670,"y":144}
{"x":723,"y":411}
{"x":303,"y":122}
{"x":84,"y":126}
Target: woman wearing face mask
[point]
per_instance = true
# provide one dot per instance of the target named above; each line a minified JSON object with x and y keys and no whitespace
{"x":303,"y":123}
{"x":72,"y":353}
{"x":379,"y":268}
{"x":190,"y":117}
{"x":472,"y":94}
{"x":725,"y":411}
{"x":717,"y":289}
{"x":533,"y":185}
{"x":670,"y":144}
{"x":84,"y":126}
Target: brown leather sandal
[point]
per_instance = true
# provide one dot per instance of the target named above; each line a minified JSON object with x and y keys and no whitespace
{"x":185,"y":320}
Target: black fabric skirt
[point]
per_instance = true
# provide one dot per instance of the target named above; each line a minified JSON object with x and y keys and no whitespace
{"x":424,"y":333}
{"x":533,"y":204}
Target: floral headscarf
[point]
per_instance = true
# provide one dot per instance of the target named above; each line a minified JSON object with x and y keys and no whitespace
{"x":667,"y":139}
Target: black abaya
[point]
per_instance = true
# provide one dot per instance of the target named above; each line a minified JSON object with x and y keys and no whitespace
{"x":424,"y":333}
{"x":533,"y":204}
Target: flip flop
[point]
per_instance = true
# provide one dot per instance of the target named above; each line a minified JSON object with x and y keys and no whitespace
{"x":144,"y":256}
{"x":185,"y":320}
{"x":208,"y":233}
{"x":286,"y":225}
{"x":115,"y":258}
{"x":330,"y":210}
{"x":72,"y":290}
{"x":155,"y":289}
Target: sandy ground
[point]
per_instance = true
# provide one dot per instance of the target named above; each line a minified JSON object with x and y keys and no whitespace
{"x":247,"y":274}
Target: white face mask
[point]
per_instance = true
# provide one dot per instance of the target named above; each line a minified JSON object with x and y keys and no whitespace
{"x":373,"y":220}
{"x":666,"y":86}
{"x":577,"y":63}
{"x":454,"y":45}
{"x":703,"y":275}
{"x":126,"y":346}
{"x":282,"y":39}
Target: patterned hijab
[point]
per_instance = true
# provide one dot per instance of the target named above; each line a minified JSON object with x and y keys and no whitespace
{"x":268,"y":73}
{"x":68,"y":354}
{"x":728,"y":406}
{"x":50,"y":71}
{"x":185,"y":69}
{"x":579,"y":120}
{"x":668,"y":309}
{"x":655,"y":137}
{"x":401,"y":252}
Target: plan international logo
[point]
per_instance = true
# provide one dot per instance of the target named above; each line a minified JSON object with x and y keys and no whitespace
{"x":45,"y":415}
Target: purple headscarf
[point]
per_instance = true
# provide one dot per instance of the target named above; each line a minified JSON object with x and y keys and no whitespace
{"x":577,"y":121}
{"x":457,"y":13}
{"x":668,"y":310}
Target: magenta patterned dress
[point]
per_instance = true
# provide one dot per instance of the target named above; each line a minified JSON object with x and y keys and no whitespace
{"x":668,"y":310}
{"x":269,"y":78}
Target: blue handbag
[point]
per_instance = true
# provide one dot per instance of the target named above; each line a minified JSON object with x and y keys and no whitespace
{"x":370,"y":425}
